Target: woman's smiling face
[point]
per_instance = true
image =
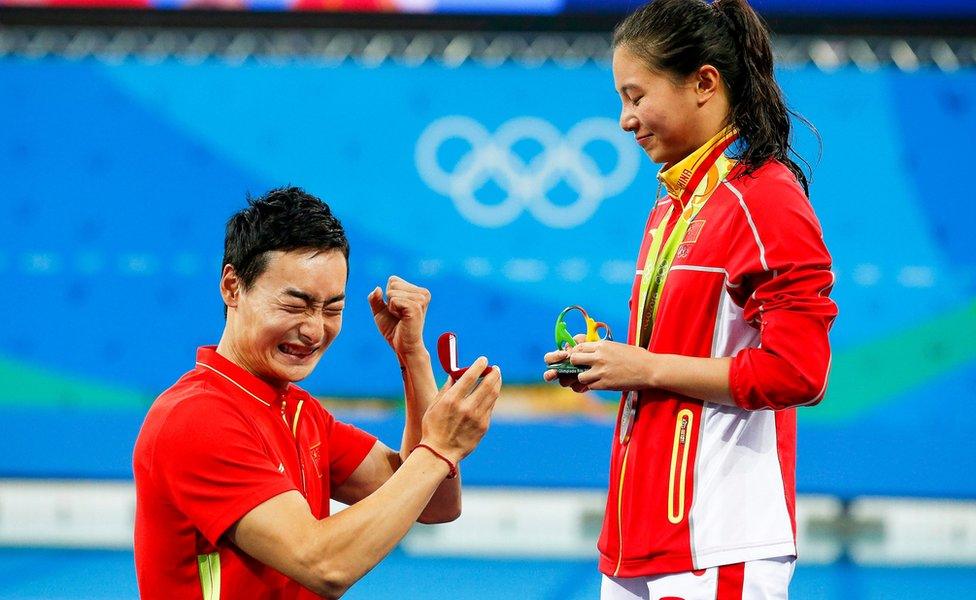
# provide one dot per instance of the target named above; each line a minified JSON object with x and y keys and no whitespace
{"x":659,"y":112}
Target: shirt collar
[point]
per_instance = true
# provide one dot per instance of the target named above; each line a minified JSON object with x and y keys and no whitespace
{"x":678,"y":177}
{"x":249,"y":384}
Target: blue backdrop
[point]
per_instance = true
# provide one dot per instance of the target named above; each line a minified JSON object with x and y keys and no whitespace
{"x":507,"y":191}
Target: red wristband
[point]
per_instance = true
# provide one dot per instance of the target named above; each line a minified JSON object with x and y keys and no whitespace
{"x":453,"y":472}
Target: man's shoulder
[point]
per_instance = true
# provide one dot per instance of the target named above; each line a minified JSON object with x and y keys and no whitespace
{"x":193,"y":391}
{"x":193,"y":398}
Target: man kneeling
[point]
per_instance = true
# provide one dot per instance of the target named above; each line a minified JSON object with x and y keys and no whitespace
{"x":235,"y":465}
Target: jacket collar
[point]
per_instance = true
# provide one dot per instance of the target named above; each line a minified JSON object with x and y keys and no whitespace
{"x":249,"y":384}
{"x":697,"y":175}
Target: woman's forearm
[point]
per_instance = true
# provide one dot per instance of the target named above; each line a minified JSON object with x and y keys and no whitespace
{"x":701,"y":378}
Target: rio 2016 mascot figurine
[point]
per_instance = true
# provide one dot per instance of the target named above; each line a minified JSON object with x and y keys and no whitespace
{"x":564,"y":339}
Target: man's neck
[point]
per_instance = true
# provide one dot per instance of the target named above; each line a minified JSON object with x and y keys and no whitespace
{"x":229,"y":350}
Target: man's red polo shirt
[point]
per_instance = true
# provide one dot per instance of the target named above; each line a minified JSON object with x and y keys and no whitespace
{"x":214,"y":446}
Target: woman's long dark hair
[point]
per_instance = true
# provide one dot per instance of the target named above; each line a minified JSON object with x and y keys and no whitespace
{"x":677,"y":37}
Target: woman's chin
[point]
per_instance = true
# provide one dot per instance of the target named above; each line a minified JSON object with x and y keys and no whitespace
{"x":656,"y":154}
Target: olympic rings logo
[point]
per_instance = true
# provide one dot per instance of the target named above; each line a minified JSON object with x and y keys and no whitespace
{"x":527,"y":184}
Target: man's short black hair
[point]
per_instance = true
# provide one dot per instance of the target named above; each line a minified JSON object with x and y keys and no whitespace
{"x":287,"y":218}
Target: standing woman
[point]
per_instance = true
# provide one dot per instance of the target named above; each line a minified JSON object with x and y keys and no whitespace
{"x":729,"y":316}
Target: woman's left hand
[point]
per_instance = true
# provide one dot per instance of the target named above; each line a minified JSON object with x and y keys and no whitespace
{"x":614,"y":366}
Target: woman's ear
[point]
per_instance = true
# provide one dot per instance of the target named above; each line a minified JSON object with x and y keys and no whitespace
{"x":708,"y":82}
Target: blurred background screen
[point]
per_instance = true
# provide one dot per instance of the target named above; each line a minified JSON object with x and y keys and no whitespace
{"x":877,"y":8}
{"x":125,"y":146}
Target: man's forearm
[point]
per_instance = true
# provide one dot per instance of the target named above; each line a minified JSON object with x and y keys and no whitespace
{"x":419,"y":389}
{"x":345,"y":546}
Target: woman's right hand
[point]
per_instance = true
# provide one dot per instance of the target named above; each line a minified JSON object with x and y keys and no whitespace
{"x":558,"y":356}
{"x":459,"y":415}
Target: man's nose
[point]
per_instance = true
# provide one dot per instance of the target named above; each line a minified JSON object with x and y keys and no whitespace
{"x":312,"y":329}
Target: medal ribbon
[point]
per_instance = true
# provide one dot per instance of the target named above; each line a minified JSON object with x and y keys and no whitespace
{"x":661,"y":253}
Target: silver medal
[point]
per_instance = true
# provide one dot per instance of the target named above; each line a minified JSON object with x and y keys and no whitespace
{"x":627,"y":416}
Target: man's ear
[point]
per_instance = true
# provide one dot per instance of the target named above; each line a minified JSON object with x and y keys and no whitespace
{"x":708,"y":81}
{"x":230,"y":286}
